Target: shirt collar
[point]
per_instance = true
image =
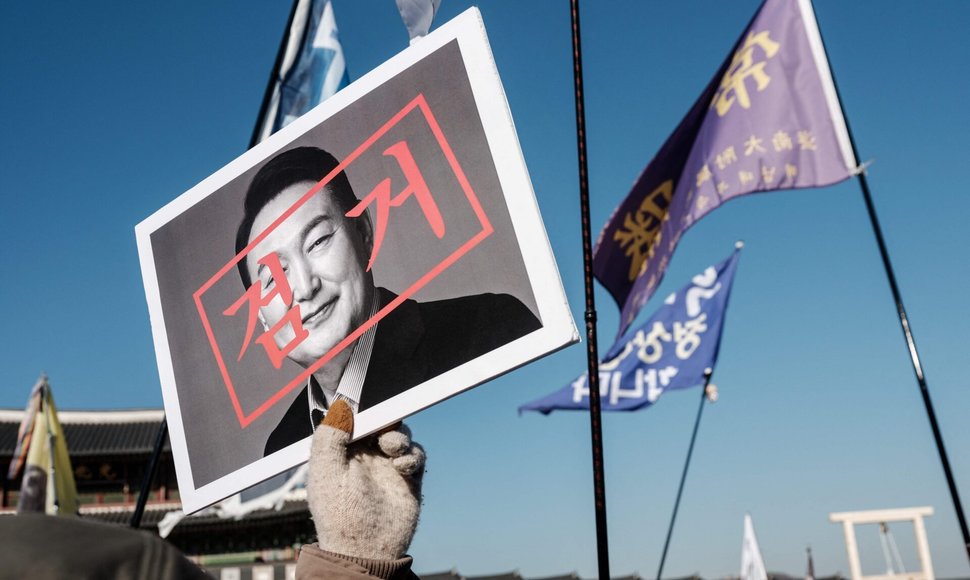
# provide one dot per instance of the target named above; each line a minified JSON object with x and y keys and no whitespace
{"x":352,"y":380}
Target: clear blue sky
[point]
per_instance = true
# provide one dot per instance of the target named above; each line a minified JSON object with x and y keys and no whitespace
{"x":110,"y":110}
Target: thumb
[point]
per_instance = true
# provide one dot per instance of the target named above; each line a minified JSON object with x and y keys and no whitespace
{"x":329,"y":448}
{"x":340,"y":416}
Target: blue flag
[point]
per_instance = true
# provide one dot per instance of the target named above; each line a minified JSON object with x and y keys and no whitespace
{"x":313,"y":66}
{"x":670,"y":351}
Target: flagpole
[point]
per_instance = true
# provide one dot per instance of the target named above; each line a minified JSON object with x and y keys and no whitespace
{"x":907,"y":332}
{"x":271,"y":84}
{"x":683,"y":476}
{"x":592,"y":357}
{"x":146,"y":483}
{"x":914,"y":354}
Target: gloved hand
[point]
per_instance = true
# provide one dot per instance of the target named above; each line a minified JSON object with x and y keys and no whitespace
{"x":365,"y":497}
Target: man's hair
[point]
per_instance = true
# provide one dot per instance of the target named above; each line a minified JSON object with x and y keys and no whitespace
{"x":286,"y":169}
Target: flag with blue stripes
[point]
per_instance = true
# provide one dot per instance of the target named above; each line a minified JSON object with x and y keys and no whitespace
{"x":313,"y":66}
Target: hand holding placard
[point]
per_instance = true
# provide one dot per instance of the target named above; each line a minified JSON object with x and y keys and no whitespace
{"x":364,"y":497}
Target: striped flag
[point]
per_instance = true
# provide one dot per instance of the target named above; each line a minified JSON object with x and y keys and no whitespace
{"x":312,"y":69}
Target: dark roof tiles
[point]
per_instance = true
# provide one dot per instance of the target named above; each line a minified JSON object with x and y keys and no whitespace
{"x":94,"y":432}
{"x":450,"y":575}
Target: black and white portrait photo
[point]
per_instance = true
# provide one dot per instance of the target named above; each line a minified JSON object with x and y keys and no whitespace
{"x":384,"y":249}
{"x":321,"y":256}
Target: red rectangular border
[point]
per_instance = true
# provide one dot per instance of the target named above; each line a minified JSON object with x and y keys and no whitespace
{"x":419,"y":102}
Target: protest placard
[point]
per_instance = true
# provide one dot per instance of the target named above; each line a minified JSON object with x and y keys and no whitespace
{"x":385,"y":248}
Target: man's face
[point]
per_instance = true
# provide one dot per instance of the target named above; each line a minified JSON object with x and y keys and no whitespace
{"x":324,"y":255}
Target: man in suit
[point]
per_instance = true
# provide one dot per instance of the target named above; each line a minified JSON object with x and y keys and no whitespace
{"x":313,"y":288}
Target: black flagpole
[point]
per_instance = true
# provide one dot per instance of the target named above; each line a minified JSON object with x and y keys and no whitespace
{"x":683,"y":476}
{"x":592,"y":358}
{"x":271,"y":84}
{"x":914,"y":355}
{"x":907,"y":333}
{"x":257,"y":131}
{"x":146,"y":483}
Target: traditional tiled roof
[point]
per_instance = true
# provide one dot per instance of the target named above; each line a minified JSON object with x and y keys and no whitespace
{"x":449,"y":575}
{"x":783,"y":576}
{"x":127,"y":432}
{"x":154,"y":512}
{"x":121,"y":513}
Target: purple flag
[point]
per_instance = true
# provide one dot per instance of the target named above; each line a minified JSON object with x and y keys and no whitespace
{"x":770,"y":119}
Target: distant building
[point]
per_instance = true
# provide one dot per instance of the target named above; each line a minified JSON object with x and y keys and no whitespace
{"x":110,"y":452}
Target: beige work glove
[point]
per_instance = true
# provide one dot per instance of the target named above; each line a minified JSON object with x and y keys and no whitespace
{"x":365,"y":497}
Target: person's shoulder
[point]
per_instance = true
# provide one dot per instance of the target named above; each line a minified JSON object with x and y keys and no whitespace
{"x":42,"y":546}
{"x":487,"y":304}
{"x":500,"y":316}
{"x":474,"y":306}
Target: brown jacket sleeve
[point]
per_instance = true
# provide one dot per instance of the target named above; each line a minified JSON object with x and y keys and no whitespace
{"x":315,"y":563}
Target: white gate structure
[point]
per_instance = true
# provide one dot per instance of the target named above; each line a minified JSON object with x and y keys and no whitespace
{"x":850,"y":519}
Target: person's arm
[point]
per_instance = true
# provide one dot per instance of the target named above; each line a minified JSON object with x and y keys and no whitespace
{"x":365,"y":498}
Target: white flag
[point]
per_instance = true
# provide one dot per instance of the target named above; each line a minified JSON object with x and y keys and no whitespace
{"x":418,"y":15}
{"x":752,"y":564}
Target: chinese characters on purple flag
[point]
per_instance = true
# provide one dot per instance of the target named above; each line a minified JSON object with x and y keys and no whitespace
{"x":769,"y":119}
{"x":670,"y":351}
